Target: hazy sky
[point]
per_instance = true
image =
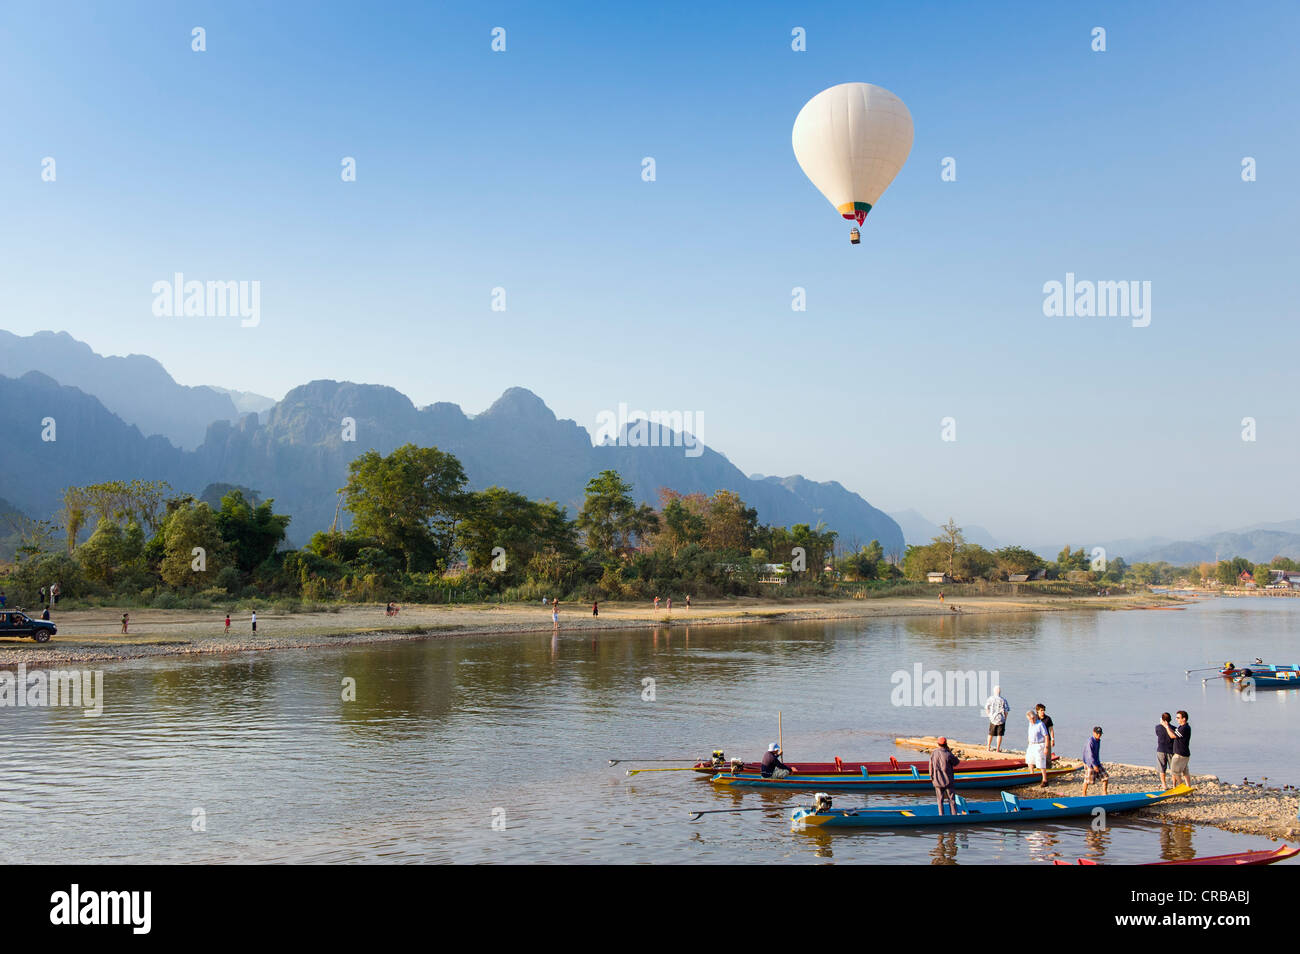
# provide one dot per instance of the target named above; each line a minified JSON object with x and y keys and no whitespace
{"x":522,"y":170}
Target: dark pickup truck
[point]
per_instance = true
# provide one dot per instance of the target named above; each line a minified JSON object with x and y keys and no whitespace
{"x":14,"y":623}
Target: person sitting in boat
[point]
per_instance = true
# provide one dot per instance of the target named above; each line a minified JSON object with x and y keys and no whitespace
{"x":772,"y":766}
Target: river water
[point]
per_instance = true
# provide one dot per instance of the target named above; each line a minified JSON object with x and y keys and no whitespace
{"x":494,"y":748}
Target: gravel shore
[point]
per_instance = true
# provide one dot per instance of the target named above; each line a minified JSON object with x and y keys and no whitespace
{"x":1251,"y":808}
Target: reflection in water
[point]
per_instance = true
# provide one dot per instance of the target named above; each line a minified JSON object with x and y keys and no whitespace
{"x":944,"y":851}
{"x":1176,"y":842}
{"x":527,"y":722}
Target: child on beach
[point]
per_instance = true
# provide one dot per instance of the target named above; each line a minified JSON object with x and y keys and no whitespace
{"x":125,"y":618}
{"x":227,"y":622}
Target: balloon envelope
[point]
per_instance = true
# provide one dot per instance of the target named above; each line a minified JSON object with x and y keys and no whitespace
{"x":851,"y":140}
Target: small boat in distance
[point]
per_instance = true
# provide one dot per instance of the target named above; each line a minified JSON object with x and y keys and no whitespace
{"x":1282,"y":679}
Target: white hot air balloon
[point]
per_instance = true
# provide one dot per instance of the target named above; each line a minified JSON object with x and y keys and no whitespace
{"x":851,"y":140}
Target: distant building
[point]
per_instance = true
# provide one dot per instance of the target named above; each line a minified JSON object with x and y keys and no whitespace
{"x":938,"y":578}
{"x":1030,"y":577}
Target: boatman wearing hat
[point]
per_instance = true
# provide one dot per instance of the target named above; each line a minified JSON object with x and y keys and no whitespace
{"x":772,"y":766}
{"x":1094,"y":771}
{"x":943,"y":762}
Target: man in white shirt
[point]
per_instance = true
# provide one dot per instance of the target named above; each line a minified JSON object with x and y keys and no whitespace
{"x":996,"y":708}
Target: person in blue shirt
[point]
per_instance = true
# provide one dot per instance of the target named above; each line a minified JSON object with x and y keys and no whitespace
{"x":1164,"y":748}
{"x":1094,"y":771}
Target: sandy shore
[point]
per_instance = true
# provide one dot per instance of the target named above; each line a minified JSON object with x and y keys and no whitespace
{"x":1252,"y":809}
{"x":94,"y":635}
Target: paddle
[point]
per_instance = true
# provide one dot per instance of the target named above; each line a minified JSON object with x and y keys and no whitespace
{"x":688,"y":768}
{"x":1210,"y":669}
{"x":727,"y":811}
{"x":616,"y":761}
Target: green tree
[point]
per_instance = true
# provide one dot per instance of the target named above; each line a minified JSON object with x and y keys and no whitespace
{"x":606,"y":512}
{"x":409,"y":501}
{"x":681,"y":520}
{"x":951,"y":541}
{"x":729,"y":524}
{"x":253,"y":532}
{"x":522,"y":528}
{"x":187,"y":529}
{"x":1013,"y":560}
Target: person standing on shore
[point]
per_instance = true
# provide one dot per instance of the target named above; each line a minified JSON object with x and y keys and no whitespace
{"x":688,"y":600}
{"x":42,"y":596}
{"x":126,"y":618}
{"x":1164,"y":747}
{"x":595,"y":607}
{"x":996,"y":708}
{"x":227,"y":624}
{"x":943,"y":762}
{"x":1093,"y":769}
{"x":670,"y":604}
{"x":1049,"y":725}
{"x":1036,"y":750}
{"x":1180,"y":738}
{"x":254,"y":621}
{"x":555,"y":614}
{"x":656,"y":604}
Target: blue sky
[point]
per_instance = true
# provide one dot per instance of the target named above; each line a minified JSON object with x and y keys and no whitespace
{"x":522,"y":170}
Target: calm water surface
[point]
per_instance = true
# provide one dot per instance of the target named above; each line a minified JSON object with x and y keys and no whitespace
{"x":444,"y":732}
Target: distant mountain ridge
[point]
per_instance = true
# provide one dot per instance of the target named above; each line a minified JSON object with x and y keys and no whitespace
{"x":296,"y":452}
{"x":136,"y":388}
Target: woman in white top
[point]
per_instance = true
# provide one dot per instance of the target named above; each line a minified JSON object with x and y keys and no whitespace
{"x":1036,"y":751}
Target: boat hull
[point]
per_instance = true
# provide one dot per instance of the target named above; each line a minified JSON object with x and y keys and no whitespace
{"x":1239,"y":858}
{"x":963,"y":781}
{"x":893,"y":766}
{"x":1284,"y":679}
{"x":983,"y":813}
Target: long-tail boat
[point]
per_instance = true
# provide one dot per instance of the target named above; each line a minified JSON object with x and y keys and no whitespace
{"x":893,"y":782}
{"x":842,"y":767}
{"x":1232,"y":669}
{"x":1282,"y":679}
{"x":1009,"y":809}
{"x":1260,"y":857}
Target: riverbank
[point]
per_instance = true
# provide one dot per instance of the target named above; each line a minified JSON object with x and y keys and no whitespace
{"x":94,"y":635}
{"x":1246,"y":808}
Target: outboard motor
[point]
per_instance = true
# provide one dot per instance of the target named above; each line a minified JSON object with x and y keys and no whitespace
{"x":821,"y":802}
{"x":719,"y":759}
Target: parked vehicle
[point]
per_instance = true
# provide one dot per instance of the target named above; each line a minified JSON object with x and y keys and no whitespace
{"x":14,"y":623}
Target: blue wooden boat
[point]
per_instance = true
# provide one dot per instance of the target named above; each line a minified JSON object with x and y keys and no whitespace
{"x":1281,"y":679}
{"x":893,"y":782}
{"x":1231,"y":669}
{"x":1009,"y":809}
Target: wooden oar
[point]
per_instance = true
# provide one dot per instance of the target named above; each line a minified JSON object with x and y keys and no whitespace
{"x":688,"y":768}
{"x":1211,"y":669}
{"x":727,"y":811}
{"x":616,"y":761}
